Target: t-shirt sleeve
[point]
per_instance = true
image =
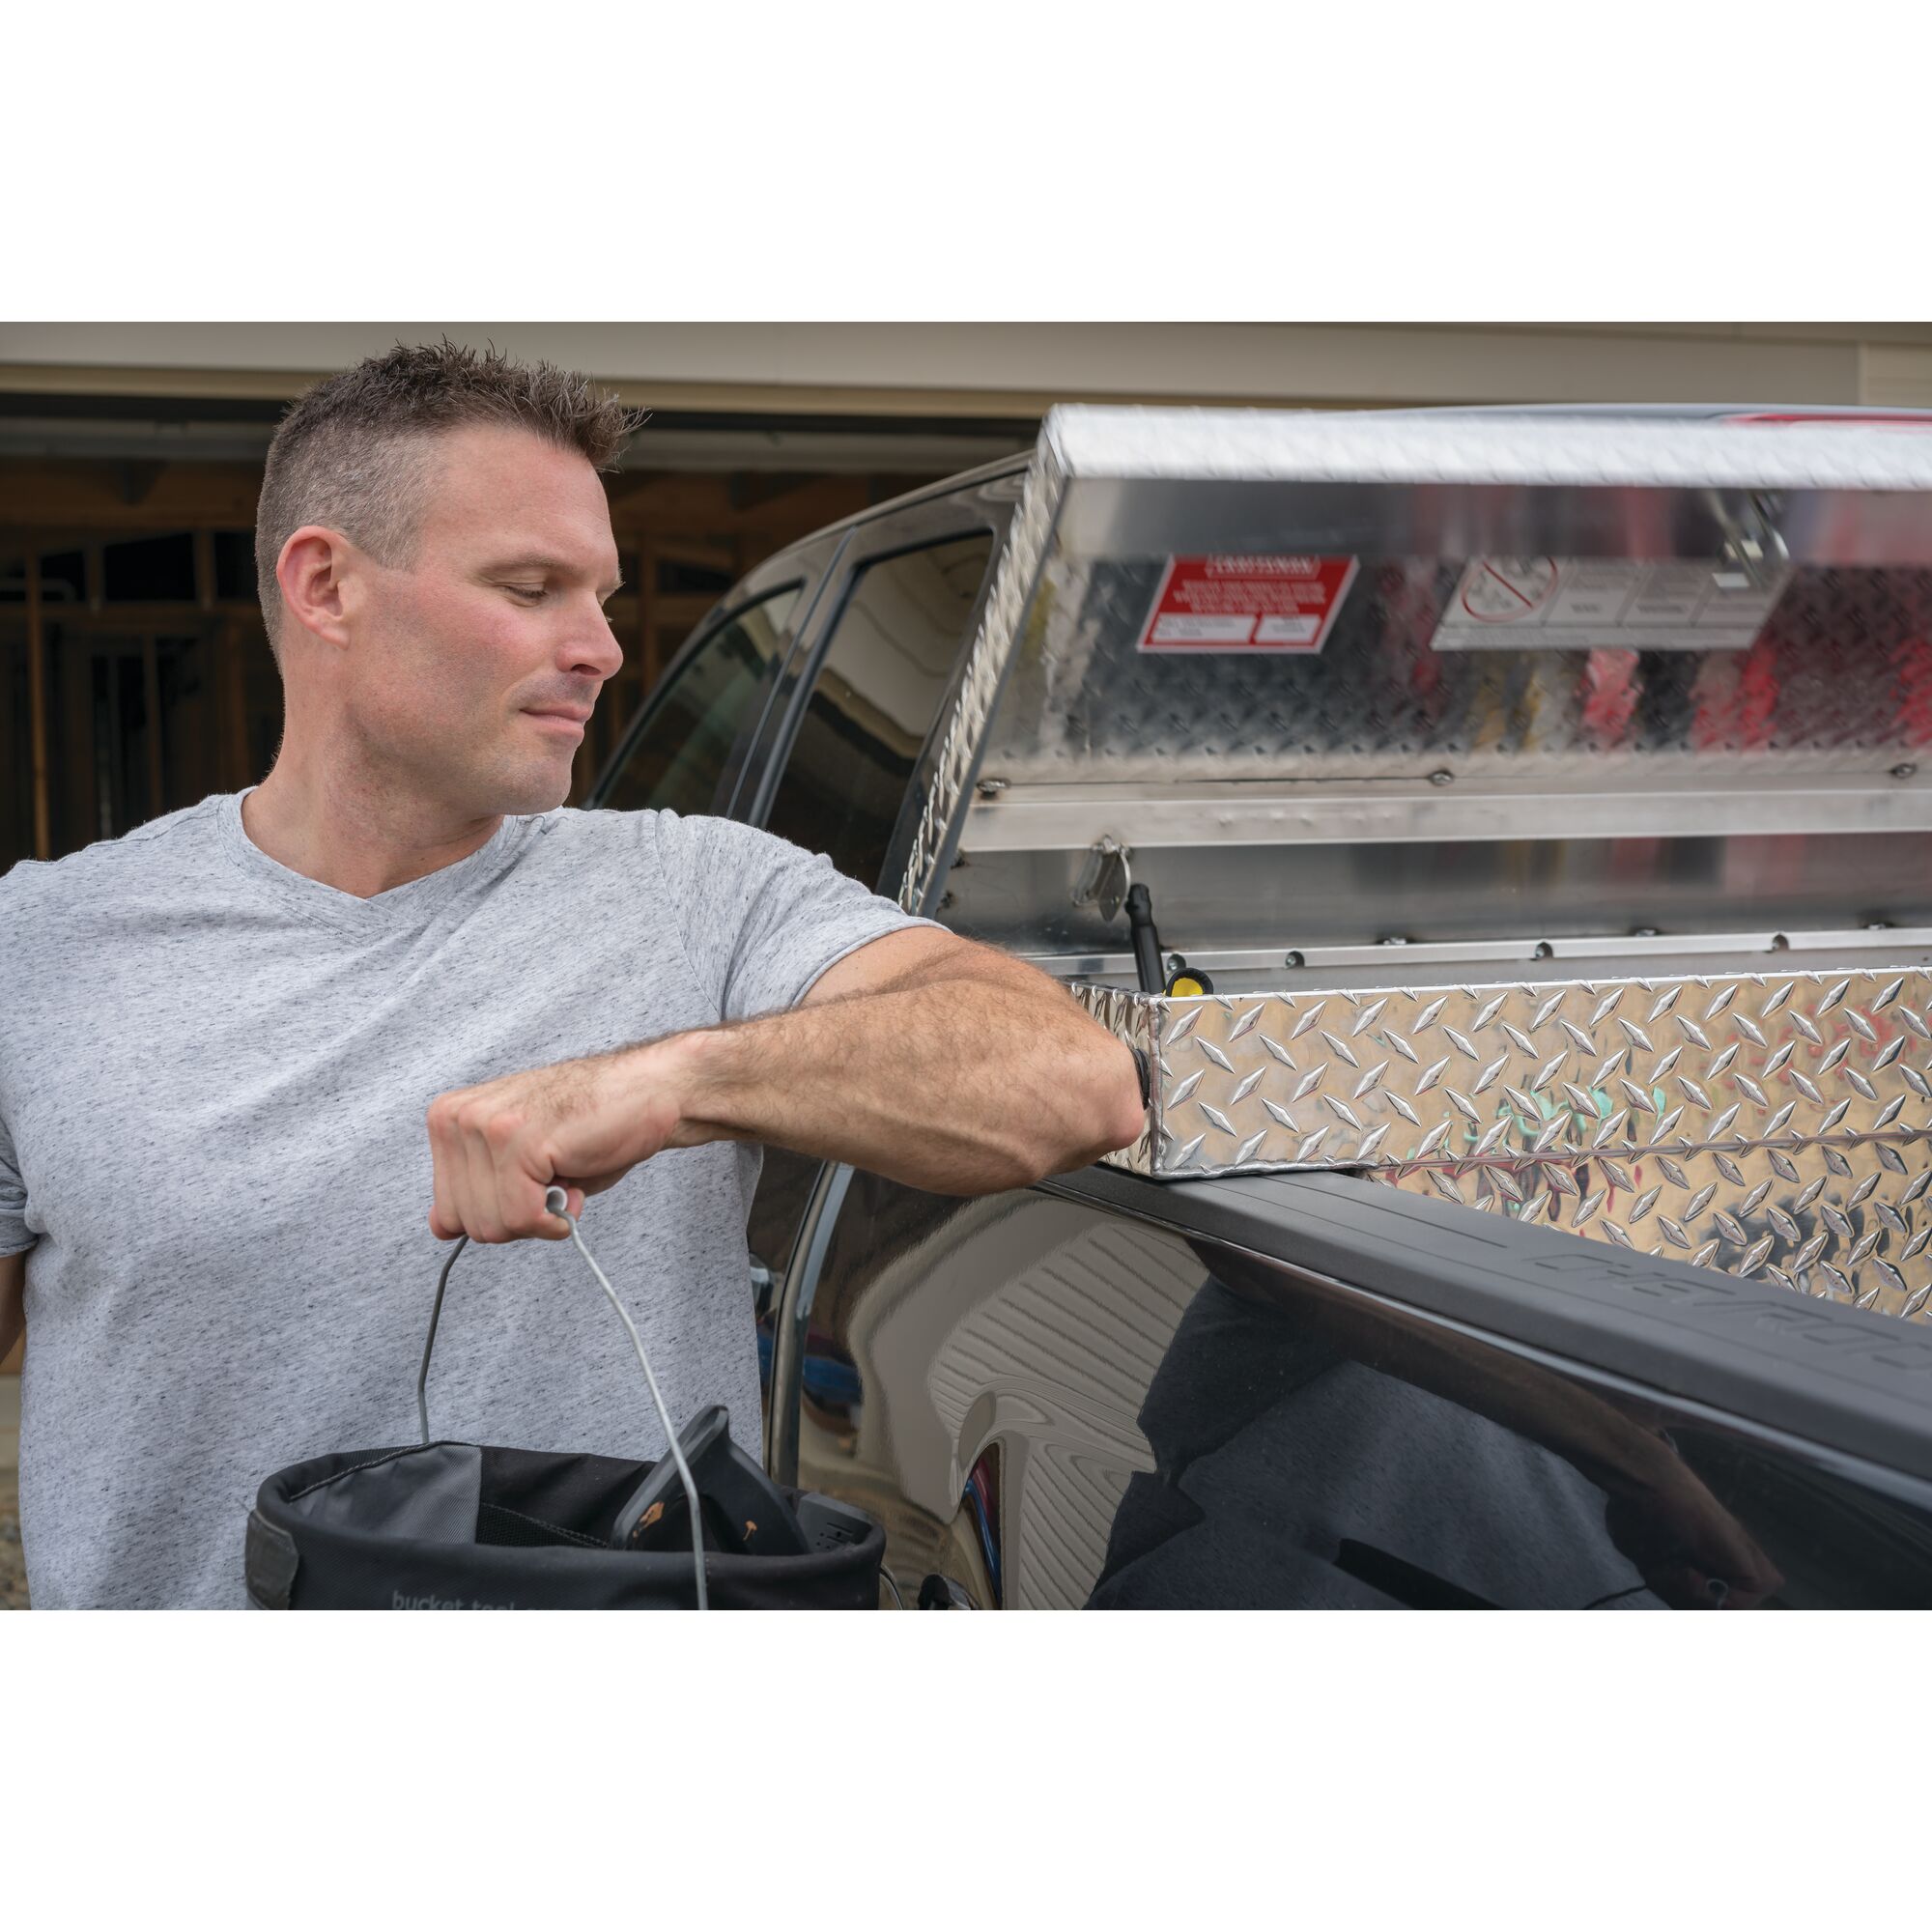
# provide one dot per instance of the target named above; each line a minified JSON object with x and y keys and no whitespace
{"x":763,"y":918}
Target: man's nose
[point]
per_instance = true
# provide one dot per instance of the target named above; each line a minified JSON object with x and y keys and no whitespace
{"x":593,"y":649}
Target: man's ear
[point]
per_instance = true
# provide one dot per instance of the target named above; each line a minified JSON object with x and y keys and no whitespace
{"x":310,"y":571}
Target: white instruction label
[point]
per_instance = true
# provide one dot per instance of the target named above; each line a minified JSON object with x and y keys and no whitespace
{"x":1585,"y":604}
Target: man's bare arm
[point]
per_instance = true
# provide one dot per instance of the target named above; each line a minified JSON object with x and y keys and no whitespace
{"x":13,"y":1302}
{"x":968,"y":1073}
{"x":942,"y":1065}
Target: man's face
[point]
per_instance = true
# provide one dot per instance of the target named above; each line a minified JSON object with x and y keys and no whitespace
{"x":474,"y":670}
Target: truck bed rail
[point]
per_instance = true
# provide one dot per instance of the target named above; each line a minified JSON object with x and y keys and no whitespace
{"x":1839,"y":1379}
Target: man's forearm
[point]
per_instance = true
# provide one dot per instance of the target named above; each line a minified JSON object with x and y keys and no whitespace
{"x":962,"y":1084}
{"x":963,"y":1076}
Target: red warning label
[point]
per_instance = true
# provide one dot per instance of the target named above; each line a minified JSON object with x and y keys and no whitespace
{"x":1247,"y":603}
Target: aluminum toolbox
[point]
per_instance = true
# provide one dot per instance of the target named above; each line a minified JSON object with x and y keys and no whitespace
{"x":1612,"y":912}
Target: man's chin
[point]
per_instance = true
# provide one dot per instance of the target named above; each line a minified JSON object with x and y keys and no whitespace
{"x":531,"y":789}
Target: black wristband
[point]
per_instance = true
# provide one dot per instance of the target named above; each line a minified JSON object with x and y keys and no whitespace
{"x":1147,"y":1075}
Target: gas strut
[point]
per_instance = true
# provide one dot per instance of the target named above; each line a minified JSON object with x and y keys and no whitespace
{"x":1184,"y":980}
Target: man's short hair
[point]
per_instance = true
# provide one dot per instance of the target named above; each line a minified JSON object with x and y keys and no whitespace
{"x":356,"y":453}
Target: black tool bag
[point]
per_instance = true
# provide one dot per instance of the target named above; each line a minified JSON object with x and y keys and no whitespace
{"x":452,"y":1526}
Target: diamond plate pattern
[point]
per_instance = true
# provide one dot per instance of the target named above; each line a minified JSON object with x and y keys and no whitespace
{"x":987,"y":658}
{"x":1840,"y":680}
{"x":1777,"y":1125}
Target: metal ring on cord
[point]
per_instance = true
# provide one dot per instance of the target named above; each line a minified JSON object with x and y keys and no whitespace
{"x":556,"y":1201}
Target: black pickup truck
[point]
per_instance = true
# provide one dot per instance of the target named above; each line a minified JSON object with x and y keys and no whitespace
{"x":1508,"y":837}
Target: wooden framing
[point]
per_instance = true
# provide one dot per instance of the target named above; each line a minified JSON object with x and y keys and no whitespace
{"x":36,"y":709}
{"x":151,"y":727}
{"x":220,"y":735}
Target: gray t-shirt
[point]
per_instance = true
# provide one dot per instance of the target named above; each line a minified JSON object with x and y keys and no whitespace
{"x":214,"y":1076}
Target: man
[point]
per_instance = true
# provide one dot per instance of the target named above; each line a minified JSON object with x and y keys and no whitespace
{"x":222,"y":1034}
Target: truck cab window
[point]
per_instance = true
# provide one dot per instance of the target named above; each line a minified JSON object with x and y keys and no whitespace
{"x":876,"y":695}
{"x":711,"y":705}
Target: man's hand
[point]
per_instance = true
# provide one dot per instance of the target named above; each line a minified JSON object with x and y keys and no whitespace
{"x":582,"y":1124}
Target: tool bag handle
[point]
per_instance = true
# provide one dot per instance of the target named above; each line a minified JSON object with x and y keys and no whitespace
{"x":429,"y":1341}
{"x":556,"y":1201}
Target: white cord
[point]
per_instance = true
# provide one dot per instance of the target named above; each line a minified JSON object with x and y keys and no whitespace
{"x":558,"y":1203}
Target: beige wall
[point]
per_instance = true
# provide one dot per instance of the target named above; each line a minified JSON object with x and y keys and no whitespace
{"x":1014,"y":369}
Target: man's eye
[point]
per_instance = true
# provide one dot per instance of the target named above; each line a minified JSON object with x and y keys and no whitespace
{"x":524,"y":589}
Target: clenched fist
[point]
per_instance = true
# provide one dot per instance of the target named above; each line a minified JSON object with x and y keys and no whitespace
{"x":582,"y":1124}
